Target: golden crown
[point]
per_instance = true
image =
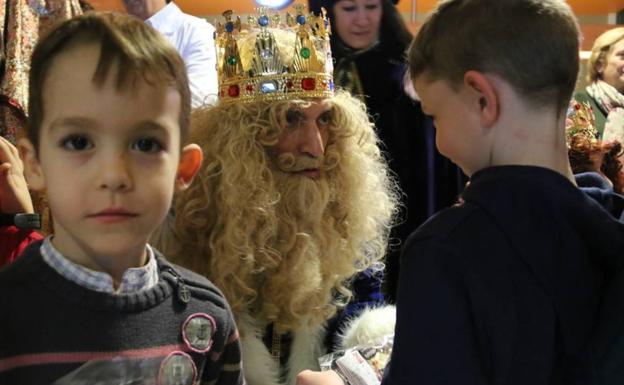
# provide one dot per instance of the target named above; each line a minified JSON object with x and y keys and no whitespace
{"x":580,"y":122}
{"x":271,"y":59}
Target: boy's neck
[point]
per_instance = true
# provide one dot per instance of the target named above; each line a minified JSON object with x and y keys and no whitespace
{"x":531,"y":138}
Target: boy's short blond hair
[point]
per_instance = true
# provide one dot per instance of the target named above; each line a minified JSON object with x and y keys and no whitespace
{"x":139,"y":50}
{"x":532,"y":44}
{"x":602,"y":46}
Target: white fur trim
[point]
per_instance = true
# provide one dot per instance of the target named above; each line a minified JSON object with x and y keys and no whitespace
{"x":369,"y":328}
{"x":259,"y":366}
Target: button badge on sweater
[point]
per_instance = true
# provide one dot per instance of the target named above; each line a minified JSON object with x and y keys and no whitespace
{"x":177,"y":369}
{"x":197,"y":332}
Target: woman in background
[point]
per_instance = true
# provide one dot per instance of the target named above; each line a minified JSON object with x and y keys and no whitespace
{"x":369,"y":39}
{"x":605,"y":91}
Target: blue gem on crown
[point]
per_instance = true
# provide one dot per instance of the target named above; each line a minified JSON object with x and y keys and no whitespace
{"x":263,"y":21}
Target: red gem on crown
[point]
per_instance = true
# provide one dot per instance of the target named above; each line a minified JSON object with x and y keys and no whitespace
{"x":233,"y":91}
{"x":308,"y":84}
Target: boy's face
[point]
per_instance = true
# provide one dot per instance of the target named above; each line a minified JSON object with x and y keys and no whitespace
{"x":107,"y":158}
{"x":457,"y":129}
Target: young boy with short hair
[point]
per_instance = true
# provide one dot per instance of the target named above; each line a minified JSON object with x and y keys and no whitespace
{"x":504,"y":288}
{"x":109,"y":112}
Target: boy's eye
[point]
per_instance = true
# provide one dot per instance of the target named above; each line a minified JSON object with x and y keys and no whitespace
{"x":147,"y":145}
{"x":76,"y":143}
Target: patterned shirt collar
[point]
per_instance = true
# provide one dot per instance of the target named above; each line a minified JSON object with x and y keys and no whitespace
{"x":133,"y":280}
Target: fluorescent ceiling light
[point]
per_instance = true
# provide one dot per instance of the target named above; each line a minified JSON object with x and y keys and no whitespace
{"x":278,"y":4}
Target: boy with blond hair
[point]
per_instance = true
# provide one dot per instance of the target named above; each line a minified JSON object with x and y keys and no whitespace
{"x":506,"y":287}
{"x":109,"y":113}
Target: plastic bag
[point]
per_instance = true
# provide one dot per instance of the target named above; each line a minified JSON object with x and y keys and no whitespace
{"x":362,"y":365}
{"x":176,"y":369}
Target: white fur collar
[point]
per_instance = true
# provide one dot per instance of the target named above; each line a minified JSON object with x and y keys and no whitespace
{"x":260,"y":367}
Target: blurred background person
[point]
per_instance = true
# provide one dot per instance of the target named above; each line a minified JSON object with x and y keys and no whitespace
{"x":192,"y":36}
{"x":606,"y":84}
{"x":369,"y":39}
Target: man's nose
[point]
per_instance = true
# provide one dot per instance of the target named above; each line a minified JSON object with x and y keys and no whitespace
{"x":312,"y":143}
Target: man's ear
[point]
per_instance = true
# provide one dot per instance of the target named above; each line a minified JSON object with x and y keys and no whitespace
{"x":190,"y":161}
{"x":32,"y":166}
{"x":486,"y":96}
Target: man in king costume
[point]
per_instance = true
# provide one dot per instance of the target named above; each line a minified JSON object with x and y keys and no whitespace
{"x":290,"y":213}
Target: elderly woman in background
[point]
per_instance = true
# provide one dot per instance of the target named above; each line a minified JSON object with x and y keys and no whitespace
{"x":606,"y":88}
{"x":369,"y":40}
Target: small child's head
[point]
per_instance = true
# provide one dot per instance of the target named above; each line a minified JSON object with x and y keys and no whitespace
{"x":482,"y":64}
{"x":109,"y":111}
{"x":128,"y":50}
{"x":531,"y":44}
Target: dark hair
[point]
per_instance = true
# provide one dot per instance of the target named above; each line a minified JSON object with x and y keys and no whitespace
{"x":141,"y":52}
{"x":394,"y":36}
{"x":532,"y":44}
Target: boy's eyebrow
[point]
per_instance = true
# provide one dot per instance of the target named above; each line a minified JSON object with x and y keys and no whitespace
{"x":72,"y":121}
{"x":150,"y":125}
{"x":87,"y":123}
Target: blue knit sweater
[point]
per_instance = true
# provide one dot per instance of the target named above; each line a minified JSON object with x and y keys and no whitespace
{"x":50,"y":327}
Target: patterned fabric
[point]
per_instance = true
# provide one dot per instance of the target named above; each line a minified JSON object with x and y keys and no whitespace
{"x":611,"y":101}
{"x":23,"y":22}
{"x":132,"y":281}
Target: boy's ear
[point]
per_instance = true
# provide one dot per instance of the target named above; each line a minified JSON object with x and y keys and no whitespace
{"x":32,"y":166}
{"x":190,"y":161}
{"x":486,"y":96}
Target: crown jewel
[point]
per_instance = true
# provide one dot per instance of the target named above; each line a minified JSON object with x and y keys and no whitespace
{"x":273,"y":59}
{"x":580,"y":123}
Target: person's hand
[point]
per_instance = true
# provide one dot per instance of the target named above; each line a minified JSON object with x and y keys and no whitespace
{"x":14,"y":195}
{"x":308,"y":377}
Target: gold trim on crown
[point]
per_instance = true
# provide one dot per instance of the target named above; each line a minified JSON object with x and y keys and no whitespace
{"x":580,"y":122}
{"x":271,"y":59}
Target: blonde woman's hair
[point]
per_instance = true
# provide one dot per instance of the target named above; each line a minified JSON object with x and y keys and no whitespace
{"x":601,"y":49}
{"x":231,"y":225}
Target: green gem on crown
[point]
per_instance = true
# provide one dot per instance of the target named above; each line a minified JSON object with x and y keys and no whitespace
{"x":231,"y":60}
{"x":305,"y":52}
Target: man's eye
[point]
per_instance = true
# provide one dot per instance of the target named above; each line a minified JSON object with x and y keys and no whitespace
{"x":294,"y":117}
{"x":76,"y":143}
{"x":147,"y":145}
{"x":325,"y":119}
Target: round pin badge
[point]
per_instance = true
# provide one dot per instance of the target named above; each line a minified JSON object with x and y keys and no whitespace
{"x":197,"y":332}
{"x":177,"y":368}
